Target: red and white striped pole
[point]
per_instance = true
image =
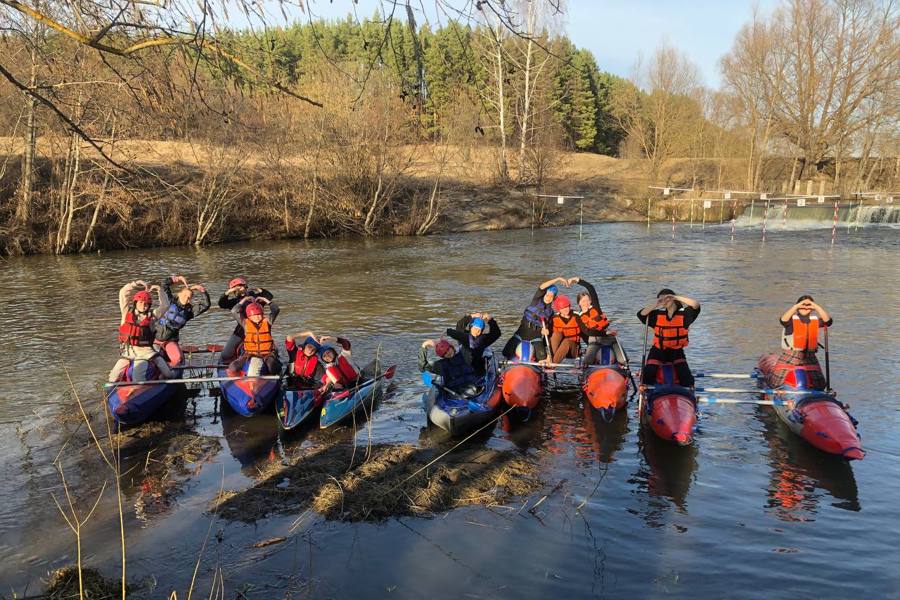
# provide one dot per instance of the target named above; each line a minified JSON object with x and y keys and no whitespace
{"x":784,"y":216}
{"x":732,"y":228}
{"x":834,"y":225}
{"x":765,"y":220}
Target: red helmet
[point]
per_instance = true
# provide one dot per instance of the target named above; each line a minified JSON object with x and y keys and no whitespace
{"x":254,"y":308}
{"x":442,"y":347}
{"x":561,"y":302}
{"x":143,"y":296}
{"x":237,"y":281}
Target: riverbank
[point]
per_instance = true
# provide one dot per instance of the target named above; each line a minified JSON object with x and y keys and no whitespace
{"x":173,"y":194}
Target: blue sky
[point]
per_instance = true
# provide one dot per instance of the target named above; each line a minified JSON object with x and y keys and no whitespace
{"x":617,"y":31}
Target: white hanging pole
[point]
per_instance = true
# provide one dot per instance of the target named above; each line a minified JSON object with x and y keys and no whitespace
{"x":834,"y":224}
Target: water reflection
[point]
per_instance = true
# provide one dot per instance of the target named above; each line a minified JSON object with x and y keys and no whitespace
{"x":252,"y":441}
{"x":606,"y":436}
{"x":666,"y":472}
{"x":798,"y":472}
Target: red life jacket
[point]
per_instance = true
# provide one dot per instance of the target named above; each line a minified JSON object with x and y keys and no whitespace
{"x":670,"y":334}
{"x":594,"y":319}
{"x":258,"y":339}
{"x":340,"y":372}
{"x":136,"y":331}
{"x":569,"y":329}
{"x":305,"y":366}
{"x":805,"y":335}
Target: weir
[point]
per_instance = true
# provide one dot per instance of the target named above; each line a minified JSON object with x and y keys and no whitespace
{"x":849,"y":213}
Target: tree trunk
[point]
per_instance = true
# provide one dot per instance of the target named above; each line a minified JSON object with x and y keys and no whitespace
{"x":26,"y":190}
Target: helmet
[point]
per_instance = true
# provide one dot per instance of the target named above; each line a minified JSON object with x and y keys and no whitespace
{"x":236,"y":282}
{"x":143,"y":296}
{"x":253,"y":308}
{"x":561,"y":302}
{"x":442,"y":347}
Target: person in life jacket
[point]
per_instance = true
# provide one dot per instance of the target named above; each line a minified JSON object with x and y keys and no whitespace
{"x":181,"y":310}
{"x":594,"y":325}
{"x":258,"y":339}
{"x":536,"y":321}
{"x":669,"y":316}
{"x":566,"y":338}
{"x":340,"y":372}
{"x":138,"y":319}
{"x":803,"y":327}
{"x":306,"y":367}
{"x":237,"y":291}
{"x":456,"y":372}
{"x":475,"y":334}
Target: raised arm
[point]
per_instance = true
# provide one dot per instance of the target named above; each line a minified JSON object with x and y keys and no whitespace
{"x":493,"y":332}
{"x":126,"y":294}
{"x":163,"y":301}
{"x":789,"y":313}
{"x":826,"y":318}
{"x":273,"y":312}
{"x":591,"y":290}
{"x":204,"y":302}
{"x":556,"y":280}
{"x":687,"y":301}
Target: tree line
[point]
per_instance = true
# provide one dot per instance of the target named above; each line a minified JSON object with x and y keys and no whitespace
{"x":125,"y":126}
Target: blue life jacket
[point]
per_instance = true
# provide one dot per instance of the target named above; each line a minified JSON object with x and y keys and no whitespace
{"x":538,"y":311}
{"x":457,"y":372}
{"x":176,"y":316}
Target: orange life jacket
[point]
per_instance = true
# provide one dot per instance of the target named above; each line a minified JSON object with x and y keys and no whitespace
{"x":670,"y":334}
{"x":258,"y":339}
{"x":135,"y":331}
{"x":340,"y":372}
{"x":805,"y":335}
{"x":569,"y":329}
{"x":594,"y":319}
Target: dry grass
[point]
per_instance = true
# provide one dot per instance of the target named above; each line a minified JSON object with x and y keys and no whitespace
{"x":63,"y":585}
{"x":394,"y":481}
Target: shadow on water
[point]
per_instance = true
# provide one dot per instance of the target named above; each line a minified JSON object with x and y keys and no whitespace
{"x":666,"y":472}
{"x":372,"y":483}
{"x":797,"y":470}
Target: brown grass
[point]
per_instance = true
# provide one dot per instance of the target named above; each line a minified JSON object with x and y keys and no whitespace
{"x":394,"y":481}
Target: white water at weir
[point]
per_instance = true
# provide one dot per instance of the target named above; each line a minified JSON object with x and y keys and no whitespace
{"x":818,"y":215}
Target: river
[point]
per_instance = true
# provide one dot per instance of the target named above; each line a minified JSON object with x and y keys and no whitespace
{"x":748,"y":512}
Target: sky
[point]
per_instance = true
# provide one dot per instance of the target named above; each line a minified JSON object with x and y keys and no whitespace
{"x":616,"y":31}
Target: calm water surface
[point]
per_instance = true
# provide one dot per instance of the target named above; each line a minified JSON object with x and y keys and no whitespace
{"x":749,"y":511}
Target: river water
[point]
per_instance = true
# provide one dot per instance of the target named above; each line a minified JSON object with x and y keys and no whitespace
{"x":749,"y":511}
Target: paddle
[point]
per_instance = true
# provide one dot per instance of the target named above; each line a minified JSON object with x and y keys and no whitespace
{"x":714,"y":400}
{"x":726,"y":375}
{"x":827,"y":362}
{"x":388,"y":373}
{"x":643,"y":363}
{"x":201,"y":349}
{"x":627,"y":366}
{"x":546,"y":339}
{"x":189,"y":380}
{"x":740,"y":391}
{"x":571,"y":366}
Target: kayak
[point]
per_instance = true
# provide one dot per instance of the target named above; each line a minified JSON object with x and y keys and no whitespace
{"x":296,"y":405}
{"x":342,"y":405}
{"x":458,"y":414}
{"x":252,"y":395}
{"x":817,"y":417}
{"x":134,"y":404}
{"x":521,"y":385}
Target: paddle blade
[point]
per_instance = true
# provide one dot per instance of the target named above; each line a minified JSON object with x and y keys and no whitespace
{"x":389,"y":374}
{"x":427,"y":378}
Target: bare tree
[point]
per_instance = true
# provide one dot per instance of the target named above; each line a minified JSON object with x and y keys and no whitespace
{"x":655,"y":110}
{"x":814,"y":69}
